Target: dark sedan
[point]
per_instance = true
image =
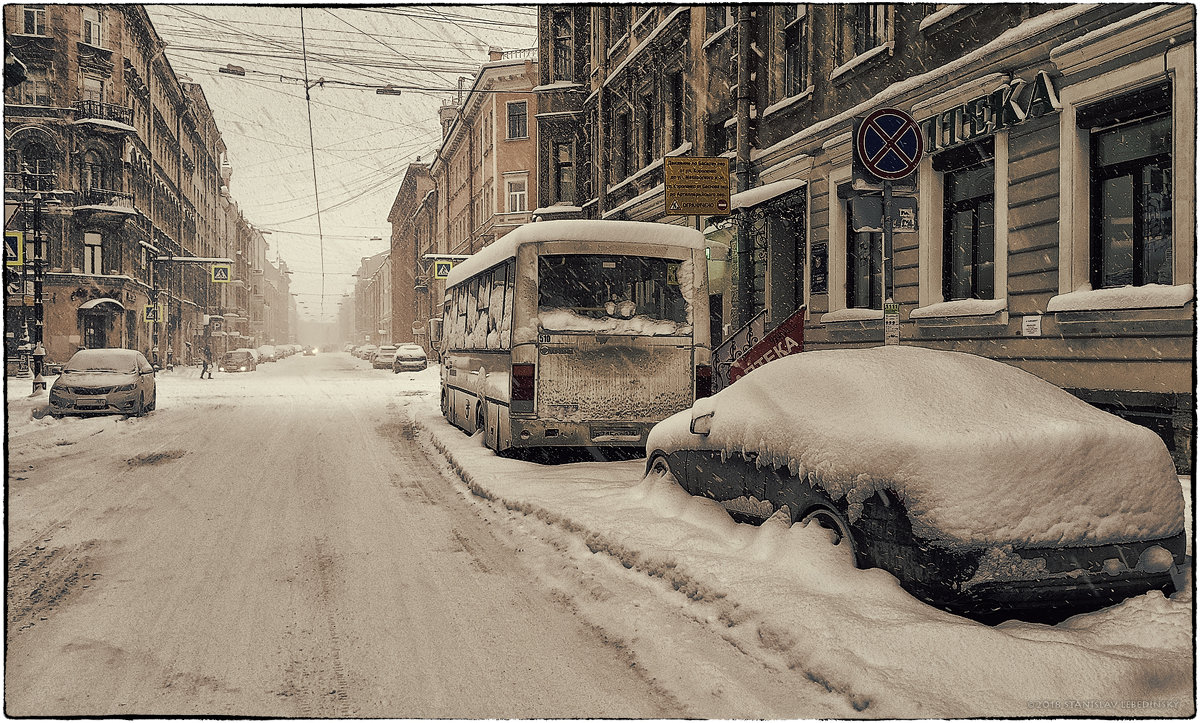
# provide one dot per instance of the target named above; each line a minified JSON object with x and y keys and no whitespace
{"x":985,"y":490}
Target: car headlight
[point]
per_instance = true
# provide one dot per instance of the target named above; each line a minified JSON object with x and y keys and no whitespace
{"x":126,"y":387}
{"x":243,"y":368}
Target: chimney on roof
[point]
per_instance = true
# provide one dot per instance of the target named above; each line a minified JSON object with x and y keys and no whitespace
{"x":447,"y":114}
{"x":495,"y":53}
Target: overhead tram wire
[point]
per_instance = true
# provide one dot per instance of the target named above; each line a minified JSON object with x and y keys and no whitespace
{"x":312,"y":145}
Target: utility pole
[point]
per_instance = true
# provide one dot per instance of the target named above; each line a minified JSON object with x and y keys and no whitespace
{"x":39,"y":310}
{"x":745,"y":244}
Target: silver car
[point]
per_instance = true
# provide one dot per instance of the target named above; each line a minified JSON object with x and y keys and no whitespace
{"x":104,"y":381}
{"x":409,"y":357}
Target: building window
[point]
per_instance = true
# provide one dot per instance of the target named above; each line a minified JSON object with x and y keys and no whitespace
{"x":91,"y":26}
{"x":35,"y":90}
{"x":93,"y":255}
{"x":516,"y":191}
{"x":1130,"y":154}
{"x":35,"y":160}
{"x":518,"y":120}
{"x":717,"y":18}
{"x":35,"y":19}
{"x":648,"y":105}
{"x":863,"y":27}
{"x":794,"y":26}
{"x":719,"y":139}
{"x":562,"y":69}
{"x":968,"y":222}
{"x":564,"y":172}
{"x":864,"y":258}
{"x":677,"y":89}
{"x":618,"y":23}
{"x":93,"y":89}
{"x":619,"y":145}
{"x":91,"y":172}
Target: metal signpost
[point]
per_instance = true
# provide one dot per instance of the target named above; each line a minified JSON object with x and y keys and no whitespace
{"x":888,"y":145}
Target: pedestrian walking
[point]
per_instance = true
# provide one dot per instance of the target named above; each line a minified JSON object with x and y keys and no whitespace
{"x":205,"y":362}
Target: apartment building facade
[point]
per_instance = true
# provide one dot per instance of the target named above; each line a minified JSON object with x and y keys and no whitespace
{"x":114,"y":162}
{"x":1054,"y":225}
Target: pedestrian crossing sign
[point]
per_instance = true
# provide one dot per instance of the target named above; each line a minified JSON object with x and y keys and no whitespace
{"x":14,"y":248}
{"x":151,"y":313}
{"x":220,"y":273}
{"x":441,"y":269}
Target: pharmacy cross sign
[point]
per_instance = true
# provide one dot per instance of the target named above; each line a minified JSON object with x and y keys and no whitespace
{"x":889,"y":144}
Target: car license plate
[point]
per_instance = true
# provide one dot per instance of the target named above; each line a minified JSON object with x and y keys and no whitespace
{"x":92,"y":403}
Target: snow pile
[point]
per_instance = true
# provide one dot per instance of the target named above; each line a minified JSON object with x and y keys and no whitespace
{"x":642,"y":325}
{"x":979,"y":451}
{"x":636,"y":556}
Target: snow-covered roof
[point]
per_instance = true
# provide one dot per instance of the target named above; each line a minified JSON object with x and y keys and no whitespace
{"x":979,"y":451}
{"x":629,"y":232}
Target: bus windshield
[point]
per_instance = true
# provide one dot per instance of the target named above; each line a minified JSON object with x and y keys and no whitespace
{"x":636,"y":295}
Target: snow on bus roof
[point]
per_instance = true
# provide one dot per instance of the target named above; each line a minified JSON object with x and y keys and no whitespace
{"x":631,"y":232}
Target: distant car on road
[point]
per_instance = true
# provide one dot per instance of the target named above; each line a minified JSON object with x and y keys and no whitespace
{"x":310,"y":351}
{"x":366,"y":351}
{"x":104,"y":381}
{"x":239,"y":360}
{"x":267,"y":353}
{"x":985,"y":490}
{"x":383,"y":357}
{"x":409,"y":357}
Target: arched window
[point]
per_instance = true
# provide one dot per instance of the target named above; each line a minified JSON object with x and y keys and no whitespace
{"x":37,"y":162}
{"x":91,"y":172}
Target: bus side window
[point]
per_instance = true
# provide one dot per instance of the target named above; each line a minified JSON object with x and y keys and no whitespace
{"x":496,"y":307}
{"x":506,"y":318}
{"x":482,"y":287}
{"x":460,"y":321}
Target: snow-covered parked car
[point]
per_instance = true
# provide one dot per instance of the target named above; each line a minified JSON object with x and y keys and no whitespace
{"x":383,"y":357}
{"x":985,"y":490}
{"x":409,"y":357}
{"x":104,"y":381}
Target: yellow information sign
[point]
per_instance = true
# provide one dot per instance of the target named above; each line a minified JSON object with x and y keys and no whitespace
{"x":696,"y":186}
{"x":221,"y":273}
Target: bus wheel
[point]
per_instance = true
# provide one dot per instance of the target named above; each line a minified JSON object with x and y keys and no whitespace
{"x":445,"y":405}
{"x":481,"y":419}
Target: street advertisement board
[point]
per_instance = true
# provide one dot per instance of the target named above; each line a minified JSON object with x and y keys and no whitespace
{"x":783,"y":340}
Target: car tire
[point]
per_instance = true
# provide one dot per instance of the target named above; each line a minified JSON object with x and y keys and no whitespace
{"x":481,"y":419}
{"x":153,"y":403}
{"x":836,"y":523}
{"x":660,"y":465}
{"x":139,"y":410}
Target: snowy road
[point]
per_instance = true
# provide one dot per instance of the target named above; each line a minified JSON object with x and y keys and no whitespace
{"x":313,"y":540}
{"x":277,"y":544}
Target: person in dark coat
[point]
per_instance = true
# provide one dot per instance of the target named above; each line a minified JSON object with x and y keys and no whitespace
{"x":206,"y":362}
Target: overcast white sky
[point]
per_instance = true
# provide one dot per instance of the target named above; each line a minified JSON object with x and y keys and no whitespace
{"x":363,"y":141}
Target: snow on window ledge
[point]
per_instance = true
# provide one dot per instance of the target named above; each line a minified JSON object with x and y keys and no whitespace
{"x":862,"y":59}
{"x":1150,"y":296}
{"x":852,"y":315}
{"x":961,"y":307}
{"x":787,"y":102}
{"x":937,"y":20}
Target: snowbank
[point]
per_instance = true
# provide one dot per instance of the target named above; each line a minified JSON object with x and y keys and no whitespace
{"x":980,"y":451}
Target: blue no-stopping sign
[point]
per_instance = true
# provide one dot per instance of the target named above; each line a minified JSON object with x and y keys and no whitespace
{"x":889,"y":144}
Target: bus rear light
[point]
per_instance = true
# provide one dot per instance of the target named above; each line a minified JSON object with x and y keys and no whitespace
{"x":522,"y":388}
{"x":703,"y":381}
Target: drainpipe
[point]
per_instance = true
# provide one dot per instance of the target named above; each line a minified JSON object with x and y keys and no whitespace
{"x":601,"y":108}
{"x":745,"y":268}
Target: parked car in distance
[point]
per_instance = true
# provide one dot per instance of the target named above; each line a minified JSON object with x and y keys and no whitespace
{"x":366,"y":351}
{"x":383,"y":357}
{"x":983,"y":489}
{"x":266,"y":353}
{"x":409,"y":357}
{"x":238,"y":360}
{"x":104,"y":381}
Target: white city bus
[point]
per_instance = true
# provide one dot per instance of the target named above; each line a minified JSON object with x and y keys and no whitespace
{"x":576,"y":333}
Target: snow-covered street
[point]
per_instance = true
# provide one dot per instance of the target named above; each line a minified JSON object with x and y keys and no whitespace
{"x":312,"y":539}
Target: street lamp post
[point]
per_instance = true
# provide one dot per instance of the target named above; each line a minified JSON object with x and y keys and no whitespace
{"x":39,"y":310}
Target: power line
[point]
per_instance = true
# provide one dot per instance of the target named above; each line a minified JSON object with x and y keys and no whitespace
{"x":312,"y":145}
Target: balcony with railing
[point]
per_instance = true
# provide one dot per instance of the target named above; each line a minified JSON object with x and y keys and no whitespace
{"x":108,"y":115}
{"x":104,"y":197}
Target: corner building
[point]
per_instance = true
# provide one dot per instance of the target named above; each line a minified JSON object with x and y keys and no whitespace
{"x":1054,"y":205}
